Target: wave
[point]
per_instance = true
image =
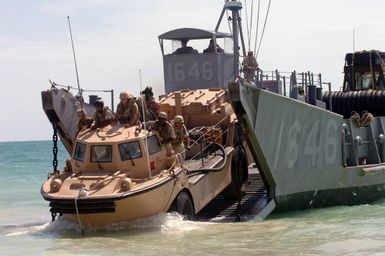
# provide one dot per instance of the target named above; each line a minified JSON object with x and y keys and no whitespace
{"x":25,"y":229}
{"x":164,"y":222}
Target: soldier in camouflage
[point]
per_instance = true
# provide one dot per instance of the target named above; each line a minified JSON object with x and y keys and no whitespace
{"x":249,"y":66}
{"x":152,"y":107}
{"x":181,"y":136}
{"x":127,"y":112}
{"x":102,"y":115}
{"x":166,"y":131}
{"x":84,"y":120}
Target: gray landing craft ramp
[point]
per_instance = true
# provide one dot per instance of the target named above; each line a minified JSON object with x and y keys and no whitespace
{"x":253,"y":203}
{"x":310,"y":156}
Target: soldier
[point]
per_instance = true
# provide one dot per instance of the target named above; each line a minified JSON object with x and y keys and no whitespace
{"x":102,"y":115}
{"x":185,"y":49}
{"x":211,"y":47}
{"x":152,"y":107}
{"x":356,"y":119}
{"x":127,"y":111}
{"x":165,"y":129}
{"x":181,"y":136}
{"x":249,"y":66}
{"x":84,"y":120}
{"x":366,"y":119}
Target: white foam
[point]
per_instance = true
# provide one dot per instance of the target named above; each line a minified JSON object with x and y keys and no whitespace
{"x":27,"y":229}
{"x":166,"y":222}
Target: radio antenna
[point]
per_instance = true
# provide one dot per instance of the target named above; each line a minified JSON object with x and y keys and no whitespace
{"x":73,"y":51}
{"x":144,"y":122}
{"x":354,"y":41}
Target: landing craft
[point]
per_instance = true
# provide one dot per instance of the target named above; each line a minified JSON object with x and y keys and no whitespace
{"x":308,"y":150}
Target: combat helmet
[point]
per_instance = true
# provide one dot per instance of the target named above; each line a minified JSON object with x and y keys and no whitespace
{"x":179,"y":118}
{"x":99,"y":103}
{"x":125,"y":95}
{"x":162,"y":114}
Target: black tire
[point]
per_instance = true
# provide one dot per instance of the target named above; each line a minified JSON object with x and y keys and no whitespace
{"x":184,"y":206}
{"x":239,"y":173}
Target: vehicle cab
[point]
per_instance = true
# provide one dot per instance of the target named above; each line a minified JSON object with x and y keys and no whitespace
{"x":199,"y":69}
{"x":119,"y":149}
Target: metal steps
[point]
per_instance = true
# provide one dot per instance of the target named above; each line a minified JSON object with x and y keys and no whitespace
{"x":252,"y":203}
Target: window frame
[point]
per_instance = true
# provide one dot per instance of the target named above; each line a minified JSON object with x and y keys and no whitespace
{"x":103,"y":145}
{"x":83,"y":147}
{"x":139,"y":147}
{"x":158,"y":143}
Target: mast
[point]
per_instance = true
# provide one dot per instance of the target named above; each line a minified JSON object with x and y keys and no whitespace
{"x":235,"y":6}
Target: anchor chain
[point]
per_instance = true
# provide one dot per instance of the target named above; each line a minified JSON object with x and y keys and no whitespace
{"x":54,"y":149}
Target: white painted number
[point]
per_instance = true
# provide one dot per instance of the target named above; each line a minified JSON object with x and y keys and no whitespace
{"x":331,"y":142}
{"x":292,"y":150}
{"x":312,"y":144}
{"x":193,"y":71}
{"x":179,"y":71}
{"x":208,"y":73}
{"x":315,"y":149}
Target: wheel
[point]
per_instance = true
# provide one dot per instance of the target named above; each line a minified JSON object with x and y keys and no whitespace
{"x":183,"y":205}
{"x":239,"y":174}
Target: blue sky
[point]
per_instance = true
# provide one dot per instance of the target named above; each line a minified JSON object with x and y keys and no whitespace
{"x":114,"y":38}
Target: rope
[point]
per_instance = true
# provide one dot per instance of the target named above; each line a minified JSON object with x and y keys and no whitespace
{"x":371,"y":69}
{"x":107,"y":136}
{"x":191,"y":173}
{"x":77,"y":210}
{"x":228,"y":21}
{"x":257,"y":28}
{"x":211,"y":143}
{"x":247,"y":24}
{"x":251,"y":20}
{"x":263,"y":30}
{"x":379,"y":56}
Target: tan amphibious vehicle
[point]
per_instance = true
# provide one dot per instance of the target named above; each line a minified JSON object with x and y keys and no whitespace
{"x":118,"y":174}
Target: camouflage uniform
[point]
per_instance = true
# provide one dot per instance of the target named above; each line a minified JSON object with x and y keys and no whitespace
{"x":126,"y":113}
{"x":85,"y":122}
{"x":152,"y":109}
{"x":166,"y":133}
{"x":249,"y":65}
{"x":180,"y":135}
{"x":102,"y":118}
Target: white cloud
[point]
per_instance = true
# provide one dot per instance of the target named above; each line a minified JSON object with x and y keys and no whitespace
{"x":113,"y":39}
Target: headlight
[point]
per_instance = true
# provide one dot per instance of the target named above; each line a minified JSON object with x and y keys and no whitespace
{"x":125,"y":184}
{"x":55,"y":185}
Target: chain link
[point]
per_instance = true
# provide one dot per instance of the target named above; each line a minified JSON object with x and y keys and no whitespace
{"x":55,"y":149}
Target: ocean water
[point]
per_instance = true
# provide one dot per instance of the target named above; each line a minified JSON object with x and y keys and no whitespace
{"x":26,"y":227}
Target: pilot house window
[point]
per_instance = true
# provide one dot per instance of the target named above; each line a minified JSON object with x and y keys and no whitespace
{"x":130,"y":150}
{"x":101,"y":153}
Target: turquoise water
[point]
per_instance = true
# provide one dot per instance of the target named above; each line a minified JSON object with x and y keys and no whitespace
{"x":26,"y":229}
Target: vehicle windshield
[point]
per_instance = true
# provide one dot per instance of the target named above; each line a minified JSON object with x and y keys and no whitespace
{"x":153,"y":144}
{"x":79,"y":151}
{"x":130,"y":150}
{"x":101,"y":153}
